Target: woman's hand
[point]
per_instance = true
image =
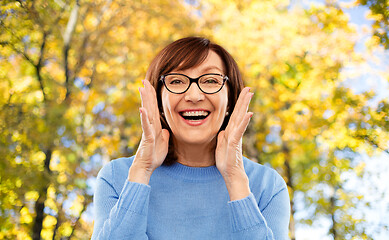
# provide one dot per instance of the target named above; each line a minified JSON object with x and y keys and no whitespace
{"x":229,"y":158}
{"x":154,"y":144}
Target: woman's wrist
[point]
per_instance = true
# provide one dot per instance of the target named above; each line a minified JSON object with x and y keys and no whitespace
{"x":237,"y":186}
{"x":139,"y":175}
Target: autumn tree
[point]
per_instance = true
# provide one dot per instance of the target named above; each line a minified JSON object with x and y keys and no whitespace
{"x":68,"y":83}
{"x":69,"y":102}
{"x":306,"y":121}
{"x":380,"y":15}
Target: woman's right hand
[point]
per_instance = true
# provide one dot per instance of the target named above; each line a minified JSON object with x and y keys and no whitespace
{"x":154,"y":144}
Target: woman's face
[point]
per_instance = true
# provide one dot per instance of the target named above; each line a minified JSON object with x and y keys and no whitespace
{"x":177,"y":108}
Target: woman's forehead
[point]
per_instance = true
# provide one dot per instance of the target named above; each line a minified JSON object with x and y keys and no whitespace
{"x":212,"y":62}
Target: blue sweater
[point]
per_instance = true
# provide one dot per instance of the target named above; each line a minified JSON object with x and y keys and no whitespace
{"x":186,"y":203}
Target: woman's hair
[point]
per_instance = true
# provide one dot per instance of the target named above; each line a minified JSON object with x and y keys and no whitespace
{"x":186,"y":53}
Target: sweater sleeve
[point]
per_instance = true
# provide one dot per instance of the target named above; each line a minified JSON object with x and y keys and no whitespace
{"x":249,"y":222}
{"x":119,"y":215}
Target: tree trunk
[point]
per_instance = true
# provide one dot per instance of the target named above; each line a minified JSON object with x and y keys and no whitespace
{"x":70,"y":27}
{"x":59,"y":218}
{"x":332,"y":211}
{"x":40,"y":203}
{"x":39,"y":207}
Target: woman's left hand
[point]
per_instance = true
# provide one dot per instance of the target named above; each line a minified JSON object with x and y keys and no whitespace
{"x":229,"y":158}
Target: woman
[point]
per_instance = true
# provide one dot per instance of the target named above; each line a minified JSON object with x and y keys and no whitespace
{"x":188,"y":179}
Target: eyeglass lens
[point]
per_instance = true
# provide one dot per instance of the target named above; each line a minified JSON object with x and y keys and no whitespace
{"x":207,"y":83}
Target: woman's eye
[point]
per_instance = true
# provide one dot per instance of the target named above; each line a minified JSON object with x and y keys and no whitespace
{"x":210,"y":81}
{"x":176,"y":81}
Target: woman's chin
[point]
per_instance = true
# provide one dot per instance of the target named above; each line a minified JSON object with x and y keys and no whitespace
{"x":195,"y":138}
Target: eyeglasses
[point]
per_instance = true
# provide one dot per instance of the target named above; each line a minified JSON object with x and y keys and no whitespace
{"x":178,"y":83}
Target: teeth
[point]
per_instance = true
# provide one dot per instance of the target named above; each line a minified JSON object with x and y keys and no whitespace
{"x":195,"y":113}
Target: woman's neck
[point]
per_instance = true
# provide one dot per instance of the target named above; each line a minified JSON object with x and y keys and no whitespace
{"x":201,"y":155}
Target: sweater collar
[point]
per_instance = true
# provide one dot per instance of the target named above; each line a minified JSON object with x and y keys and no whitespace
{"x":192,"y":173}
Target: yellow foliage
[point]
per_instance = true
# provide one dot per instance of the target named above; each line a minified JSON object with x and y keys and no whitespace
{"x":360,"y":168}
{"x":47,"y":233}
{"x":34,"y":96}
{"x":51,"y":200}
{"x":90,"y":22}
{"x":49,"y":222}
{"x":62,"y":178}
{"x":278,"y":160}
{"x":25,"y":216}
{"x":102,"y":67}
{"x":38,"y":157}
{"x":65,"y":229}
{"x":31,"y":195}
{"x":291,"y":57}
{"x":62,"y":95}
{"x":77,"y":205}
{"x":376,"y":17}
{"x":21,"y":235}
{"x":18,"y":183}
{"x":25,"y":83}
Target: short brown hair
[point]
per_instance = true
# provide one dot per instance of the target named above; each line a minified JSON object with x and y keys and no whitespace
{"x":186,"y":53}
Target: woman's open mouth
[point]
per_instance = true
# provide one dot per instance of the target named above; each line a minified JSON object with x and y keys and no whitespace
{"x":194,"y":117}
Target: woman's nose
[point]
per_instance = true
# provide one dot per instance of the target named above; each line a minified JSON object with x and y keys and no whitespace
{"x":194,"y":94}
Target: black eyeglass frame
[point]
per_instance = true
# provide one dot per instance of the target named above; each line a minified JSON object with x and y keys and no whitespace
{"x":193,"y":80}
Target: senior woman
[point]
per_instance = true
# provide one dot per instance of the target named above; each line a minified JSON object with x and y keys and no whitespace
{"x":188,"y":178}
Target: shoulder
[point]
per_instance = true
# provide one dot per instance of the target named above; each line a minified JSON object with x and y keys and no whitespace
{"x":265,"y":182}
{"x":264,"y":173}
{"x":115,"y":172}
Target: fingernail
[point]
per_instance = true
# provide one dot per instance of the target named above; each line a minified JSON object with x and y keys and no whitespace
{"x":143,"y":82}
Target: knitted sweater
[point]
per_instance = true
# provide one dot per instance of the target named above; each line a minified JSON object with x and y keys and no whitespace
{"x":186,"y":203}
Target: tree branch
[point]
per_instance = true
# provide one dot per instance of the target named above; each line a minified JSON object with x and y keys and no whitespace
{"x":59,"y":218}
{"x":375,"y":144}
{"x":38,"y":67}
{"x":67,"y":37}
{"x":7,"y":43}
{"x":23,"y":53}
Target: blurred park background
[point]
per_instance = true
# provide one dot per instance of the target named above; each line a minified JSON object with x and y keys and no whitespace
{"x":70,"y":70}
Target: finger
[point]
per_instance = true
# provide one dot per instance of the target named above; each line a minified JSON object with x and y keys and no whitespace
{"x":242,"y":126}
{"x":240,"y":103}
{"x":145,"y":98}
{"x":240,"y":109}
{"x":152,"y":102}
{"x":146,"y":126}
{"x":244,"y":105}
{"x":150,"y":88}
{"x":142,"y":100}
{"x":146,"y":102}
